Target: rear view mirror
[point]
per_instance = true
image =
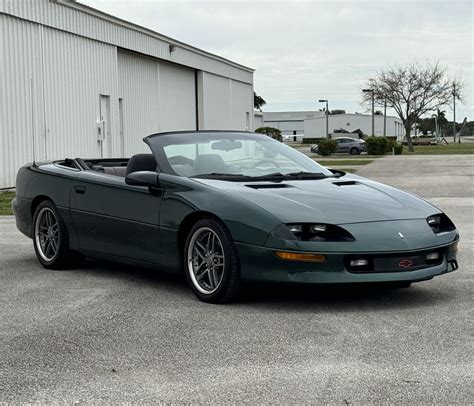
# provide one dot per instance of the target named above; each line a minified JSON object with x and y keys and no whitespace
{"x":143,"y":178}
{"x":226,"y":145}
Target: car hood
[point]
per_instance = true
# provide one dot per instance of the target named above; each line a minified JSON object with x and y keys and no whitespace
{"x":350,"y":199}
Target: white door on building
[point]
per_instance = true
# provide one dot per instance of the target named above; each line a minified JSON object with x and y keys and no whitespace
{"x":104,"y":127}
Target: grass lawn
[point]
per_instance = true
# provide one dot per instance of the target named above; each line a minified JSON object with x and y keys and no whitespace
{"x":451,"y":149}
{"x":341,"y":162}
{"x":5,"y":203}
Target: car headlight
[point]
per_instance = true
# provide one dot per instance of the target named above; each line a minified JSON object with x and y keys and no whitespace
{"x":440,"y":223}
{"x":312,"y":232}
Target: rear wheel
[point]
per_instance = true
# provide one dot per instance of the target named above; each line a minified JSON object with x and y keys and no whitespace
{"x":354,"y":151}
{"x":51,"y":238}
{"x":211,"y":262}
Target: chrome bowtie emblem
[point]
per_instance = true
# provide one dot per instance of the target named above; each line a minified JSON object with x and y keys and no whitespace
{"x":401,"y":236}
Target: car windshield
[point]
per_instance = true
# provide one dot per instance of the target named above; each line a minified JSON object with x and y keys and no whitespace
{"x":231,"y":155}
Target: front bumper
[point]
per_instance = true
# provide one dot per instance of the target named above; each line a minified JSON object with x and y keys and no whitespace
{"x":261,"y":264}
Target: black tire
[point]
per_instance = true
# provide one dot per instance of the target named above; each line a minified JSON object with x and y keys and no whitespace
{"x":63,"y":257}
{"x":227,"y":289}
{"x":354,"y":151}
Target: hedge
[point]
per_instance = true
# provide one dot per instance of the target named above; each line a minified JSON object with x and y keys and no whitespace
{"x":382,"y":146}
{"x":326,"y":147}
{"x":312,"y":140}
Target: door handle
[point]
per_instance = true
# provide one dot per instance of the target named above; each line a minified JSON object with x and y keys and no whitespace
{"x":80,"y":190}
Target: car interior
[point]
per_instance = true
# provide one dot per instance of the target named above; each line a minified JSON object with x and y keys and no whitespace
{"x":183,"y":166}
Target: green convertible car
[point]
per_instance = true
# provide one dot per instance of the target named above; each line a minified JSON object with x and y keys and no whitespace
{"x":230,"y":206}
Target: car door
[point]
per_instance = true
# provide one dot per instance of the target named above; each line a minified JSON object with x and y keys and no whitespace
{"x":114,"y":218}
{"x":341,"y":145}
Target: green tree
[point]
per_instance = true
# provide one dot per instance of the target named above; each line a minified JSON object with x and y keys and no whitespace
{"x":274,"y":133}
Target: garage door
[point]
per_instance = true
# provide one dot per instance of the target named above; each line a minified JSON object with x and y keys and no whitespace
{"x":154,"y":96}
{"x":177,"y":97}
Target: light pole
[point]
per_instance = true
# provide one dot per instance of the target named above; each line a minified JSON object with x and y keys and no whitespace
{"x":327,"y":116}
{"x":385,"y":117}
{"x":454,"y":114}
{"x":373,"y":106}
{"x":436,"y":126}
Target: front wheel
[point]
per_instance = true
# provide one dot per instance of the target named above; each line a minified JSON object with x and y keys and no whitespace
{"x":211,"y":262}
{"x":51,"y":238}
{"x":354,"y":151}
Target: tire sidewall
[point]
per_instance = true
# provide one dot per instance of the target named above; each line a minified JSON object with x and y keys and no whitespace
{"x":230,"y":260}
{"x":63,"y":236}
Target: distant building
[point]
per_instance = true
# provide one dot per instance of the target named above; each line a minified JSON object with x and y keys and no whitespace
{"x":341,"y":123}
{"x":289,"y":122}
{"x":257,"y":119}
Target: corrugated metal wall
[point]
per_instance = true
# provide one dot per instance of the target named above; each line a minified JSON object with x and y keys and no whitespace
{"x":178,"y":97}
{"x":242,"y":105}
{"x":224,"y":104}
{"x":50,"y":90}
{"x":138,"y":87}
{"x":51,"y":82}
{"x":82,"y":20}
{"x":20,"y":97}
{"x":156,"y":97}
{"x":214,"y":102}
{"x":76,"y":72}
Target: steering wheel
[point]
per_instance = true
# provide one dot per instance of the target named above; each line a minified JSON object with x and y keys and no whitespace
{"x":265,"y":161}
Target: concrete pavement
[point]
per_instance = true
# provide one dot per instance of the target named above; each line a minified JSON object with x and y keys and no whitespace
{"x":109,"y":333}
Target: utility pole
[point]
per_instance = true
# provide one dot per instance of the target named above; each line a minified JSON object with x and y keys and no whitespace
{"x":327,"y":116}
{"x":385,"y":117}
{"x":373,"y":107}
{"x":454,"y":114}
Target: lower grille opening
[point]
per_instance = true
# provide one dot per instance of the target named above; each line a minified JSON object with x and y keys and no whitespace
{"x":398,"y":262}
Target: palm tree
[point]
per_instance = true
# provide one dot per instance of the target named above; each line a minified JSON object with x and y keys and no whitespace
{"x":258,"y":101}
{"x":442,"y":120}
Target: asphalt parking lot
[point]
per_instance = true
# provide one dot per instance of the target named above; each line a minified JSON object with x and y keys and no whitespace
{"x":110,"y":333}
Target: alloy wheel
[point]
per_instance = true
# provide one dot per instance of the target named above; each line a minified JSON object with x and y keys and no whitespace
{"x":206,"y":262}
{"x":47,"y":234}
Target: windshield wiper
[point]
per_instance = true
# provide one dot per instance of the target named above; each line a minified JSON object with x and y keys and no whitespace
{"x":219,"y":175}
{"x":307,"y":175}
{"x":275,"y":176}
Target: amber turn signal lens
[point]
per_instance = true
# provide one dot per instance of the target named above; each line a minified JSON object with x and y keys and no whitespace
{"x":294,"y":256}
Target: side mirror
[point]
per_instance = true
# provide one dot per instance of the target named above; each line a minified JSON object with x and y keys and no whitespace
{"x":143,"y":178}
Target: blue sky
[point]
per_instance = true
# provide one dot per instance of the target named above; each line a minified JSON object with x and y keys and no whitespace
{"x":304,"y":51}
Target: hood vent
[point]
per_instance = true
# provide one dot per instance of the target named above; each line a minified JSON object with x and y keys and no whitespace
{"x":269,"y":186}
{"x":346,"y":183}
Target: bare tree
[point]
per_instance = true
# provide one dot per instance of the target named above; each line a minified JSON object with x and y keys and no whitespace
{"x":413,"y":90}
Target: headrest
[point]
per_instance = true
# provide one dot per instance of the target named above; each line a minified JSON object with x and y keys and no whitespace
{"x":141,"y":162}
{"x":208,"y":163}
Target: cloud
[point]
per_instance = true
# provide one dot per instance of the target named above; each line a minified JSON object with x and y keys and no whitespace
{"x":303,"y":51}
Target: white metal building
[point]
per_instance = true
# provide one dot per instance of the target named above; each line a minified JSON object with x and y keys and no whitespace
{"x":316,"y":127}
{"x":289,"y":122}
{"x":78,"y":82}
{"x":257,"y":119}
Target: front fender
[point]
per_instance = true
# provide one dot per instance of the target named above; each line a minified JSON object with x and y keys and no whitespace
{"x":247,"y":222}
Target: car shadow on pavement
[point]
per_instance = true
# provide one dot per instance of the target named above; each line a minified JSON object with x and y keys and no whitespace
{"x":370,"y":296}
{"x":373,"y":296}
{"x":139,"y":274}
